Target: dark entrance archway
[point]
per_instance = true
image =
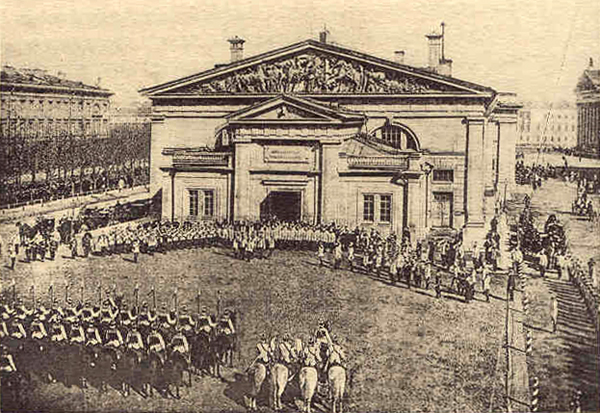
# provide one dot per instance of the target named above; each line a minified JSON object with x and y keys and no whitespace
{"x":283,"y":205}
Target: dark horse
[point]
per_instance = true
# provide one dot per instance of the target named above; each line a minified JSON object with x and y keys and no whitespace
{"x":223,"y":347}
{"x":175,"y":365}
{"x":202,"y":357}
{"x":153,"y":366}
{"x":131,"y":370}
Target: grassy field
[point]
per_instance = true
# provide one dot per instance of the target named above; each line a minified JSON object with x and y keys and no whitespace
{"x":408,"y":351}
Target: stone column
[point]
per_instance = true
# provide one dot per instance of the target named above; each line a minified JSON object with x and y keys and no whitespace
{"x":158,"y":141}
{"x":490,"y":155}
{"x":416,"y":208}
{"x":241,"y":198}
{"x":489,"y":152}
{"x":474,"y":185}
{"x":507,"y":125}
{"x":166,"y":181}
{"x":329,"y":182}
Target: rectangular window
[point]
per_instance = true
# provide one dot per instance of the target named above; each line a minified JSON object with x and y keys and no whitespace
{"x":209,"y":203}
{"x":193,"y":202}
{"x":443,"y":175}
{"x":385,"y":208}
{"x":369,"y":208}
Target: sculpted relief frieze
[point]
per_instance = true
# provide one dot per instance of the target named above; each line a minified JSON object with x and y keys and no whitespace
{"x":313,"y":72}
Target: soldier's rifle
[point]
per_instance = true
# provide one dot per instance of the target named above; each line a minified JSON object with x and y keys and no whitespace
{"x":198,"y":302}
{"x":51,"y":291}
{"x":136,"y":294}
{"x":176,"y":305}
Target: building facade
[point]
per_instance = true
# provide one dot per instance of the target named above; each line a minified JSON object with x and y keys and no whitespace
{"x":36,"y":104}
{"x":588,"y":111}
{"x":321,"y":133}
{"x":547,"y":126}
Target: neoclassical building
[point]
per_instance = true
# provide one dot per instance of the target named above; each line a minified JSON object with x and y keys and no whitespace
{"x":37,"y":104}
{"x":588,"y":111}
{"x":320,"y":133}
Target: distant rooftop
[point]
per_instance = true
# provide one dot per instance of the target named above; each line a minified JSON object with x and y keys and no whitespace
{"x":40,"y":77}
{"x":563,"y":104}
{"x":594,"y":75}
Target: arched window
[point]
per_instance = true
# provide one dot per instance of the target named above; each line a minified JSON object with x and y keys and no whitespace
{"x":397,"y":136}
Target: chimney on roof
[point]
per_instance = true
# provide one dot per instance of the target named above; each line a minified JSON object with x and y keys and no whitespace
{"x":237,"y":48}
{"x":437,"y":61}
{"x":591,"y":64}
{"x":323,"y":35}
{"x":399,"y":56}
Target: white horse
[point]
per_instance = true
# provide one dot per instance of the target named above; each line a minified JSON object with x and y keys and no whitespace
{"x":258,"y":377}
{"x":279,"y":378}
{"x":308,"y":385}
{"x":337,"y":385}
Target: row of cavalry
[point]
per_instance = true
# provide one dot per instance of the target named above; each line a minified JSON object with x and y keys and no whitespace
{"x":145,"y":350}
{"x":137,"y":349}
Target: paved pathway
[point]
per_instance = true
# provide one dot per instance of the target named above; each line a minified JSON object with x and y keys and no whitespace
{"x":138,"y":192}
{"x":567,"y":360}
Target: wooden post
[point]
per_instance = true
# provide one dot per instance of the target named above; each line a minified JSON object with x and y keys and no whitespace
{"x":51,"y":296}
{"x":33,"y":295}
{"x":66,"y":293}
{"x":136,"y":293}
{"x":14,"y":291}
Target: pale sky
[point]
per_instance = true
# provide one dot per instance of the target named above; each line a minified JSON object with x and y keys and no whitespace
{"x":536,"y":48}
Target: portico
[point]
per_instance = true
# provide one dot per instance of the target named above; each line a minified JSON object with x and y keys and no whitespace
{"x":318,"y":133}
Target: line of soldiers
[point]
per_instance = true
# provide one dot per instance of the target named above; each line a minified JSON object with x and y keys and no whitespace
{"x":110,"y":326}
{"x":583,"y":205}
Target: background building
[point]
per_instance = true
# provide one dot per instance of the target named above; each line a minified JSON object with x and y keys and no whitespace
{"x":56,"y":139}
{"x":588,"y":111}
{"x":39,"y":104}
{"x":547,"y":126}
{"x":322,"y":133}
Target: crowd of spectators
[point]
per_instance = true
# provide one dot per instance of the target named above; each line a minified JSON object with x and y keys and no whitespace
{"x":17,"y":194}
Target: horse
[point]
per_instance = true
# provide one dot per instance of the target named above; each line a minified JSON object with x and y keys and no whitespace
{"x":154,"y":368}
{"x":278,"y":381}
{"x":108,"y":360}
{"x":308,"y":385}
{"x":222,"y":348}
{"x":129,"y":369}
{"x":201,"y":355}
{"x":259,"y":374}
{"x":176,"y":364}
{"x":336,"y":376}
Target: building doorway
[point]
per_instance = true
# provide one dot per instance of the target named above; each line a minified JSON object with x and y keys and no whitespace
{"x":442,"y":209}
{"x":282,"y":205}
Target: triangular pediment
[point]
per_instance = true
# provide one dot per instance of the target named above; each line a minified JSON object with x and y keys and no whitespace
{"x":367,"y":147}
{"x":314,"y":68}
{"x":589,"y":81}
{"x":290,"y":109}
